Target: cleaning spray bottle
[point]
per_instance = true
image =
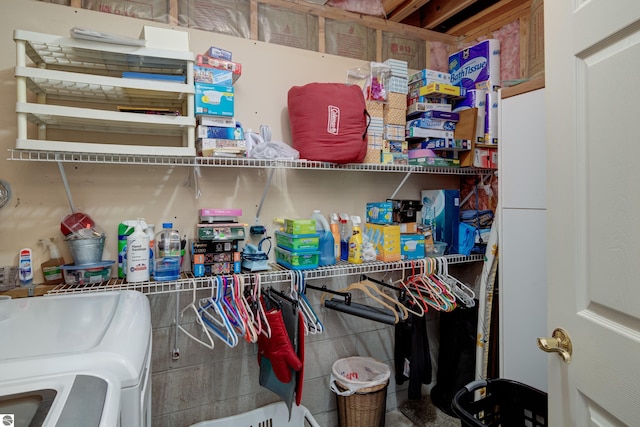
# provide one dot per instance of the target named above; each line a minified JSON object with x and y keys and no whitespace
{"x":327,"y":244}
{"x":52,"y":268}
{"x":345,"y":234}
{"x":334,"y":226}
{"x":138,"y":254}
{"x":355,"y":242}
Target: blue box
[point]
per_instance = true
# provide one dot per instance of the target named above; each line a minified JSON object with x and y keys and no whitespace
{"x":211,"y":75}
{"x":412,"y":246}
{"x":441,"y":213}
{"x":380,"y":213}
{"x":214,"y":100}
{"x":216,"y":52}
{"x":216,"y":132}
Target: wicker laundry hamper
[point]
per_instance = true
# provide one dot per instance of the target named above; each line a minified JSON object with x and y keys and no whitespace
{"x":360,"y":384}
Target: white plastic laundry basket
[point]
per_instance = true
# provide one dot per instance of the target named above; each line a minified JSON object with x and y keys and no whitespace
{"x":275,"y":414}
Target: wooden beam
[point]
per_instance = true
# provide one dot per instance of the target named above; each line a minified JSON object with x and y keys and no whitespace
{"x":438,"y":11}
{"x":254,"y":20}
{"x":504,"y":11}
{"x":366,"y":20}
{"x":173,"y":12}
{"x":401,"y":12}
{"x":525,"y":35}
{"x":390,"y":5}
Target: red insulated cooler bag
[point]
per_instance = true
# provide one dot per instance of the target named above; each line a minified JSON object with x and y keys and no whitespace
{"x":328,"y":122}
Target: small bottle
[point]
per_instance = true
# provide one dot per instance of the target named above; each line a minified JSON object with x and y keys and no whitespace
{"x":167,"y":254}
{"x":327,"y":244}
{"x":151,"y":233}
{"x":335,"y":230}
{"x":138,"y":255}
{"x":355,"y":242}
{"x":52,"y":268}
{"x":344,"y":236}
{"x":25,"y":267}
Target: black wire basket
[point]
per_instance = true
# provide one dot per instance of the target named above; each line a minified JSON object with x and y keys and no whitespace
{"x":503,"y":403}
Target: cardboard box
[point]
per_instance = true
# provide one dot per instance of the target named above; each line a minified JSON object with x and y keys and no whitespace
{"x":216,"y":52}
{"x":214,"y":100}
{"x":430,"y":76}
{"x":441,"y":213}
{"x":439,"y":90}
{"x":373,"y":156}
{"x":415,"y":132}
{"x":220,"y":64}
{"x":216,"y":132}
{"x":405,"y":211}
{"x":420,"y":107}
{"x":374,"y":108}
{"x":386,"y":241}
{"x":427,"y":123}
{"x":395,"y":116}
{"x":485,"y":158}
{"x":379,"y":213}
{"x":409,"y":228}
{"x":212,"y":75}
{"x":411,"y":246}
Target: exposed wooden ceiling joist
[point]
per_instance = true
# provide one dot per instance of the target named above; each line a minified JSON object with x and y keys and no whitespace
{"x":404,"y":9}
{"x":438,"y":11}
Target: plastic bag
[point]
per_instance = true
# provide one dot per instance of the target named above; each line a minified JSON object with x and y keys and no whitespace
{"x":357,"y":373}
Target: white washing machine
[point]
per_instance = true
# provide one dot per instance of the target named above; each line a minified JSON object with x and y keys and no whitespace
{"x":74,"y":334}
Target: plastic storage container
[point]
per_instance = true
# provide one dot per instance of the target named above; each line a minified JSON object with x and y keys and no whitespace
{"x":87,"y":274}
{"x":504,"y":403}
{"x":167,"y":254}
{"x":297,"y":260}
{"x":298,"y":242}
{"x":275,"y":414}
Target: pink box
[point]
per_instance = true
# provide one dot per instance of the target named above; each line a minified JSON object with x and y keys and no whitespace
{"x":220,"y":212}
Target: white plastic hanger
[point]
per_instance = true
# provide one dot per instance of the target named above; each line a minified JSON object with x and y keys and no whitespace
{"x":192,"y":306}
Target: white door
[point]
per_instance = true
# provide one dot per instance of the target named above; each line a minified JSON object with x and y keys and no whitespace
{"x":592,"y":55}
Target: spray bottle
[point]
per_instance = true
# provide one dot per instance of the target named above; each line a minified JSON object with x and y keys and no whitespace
{"x":327,"y":243}
{"x":335,"y":231}
{"x":52,"y":268}
{"x":355,"y":242}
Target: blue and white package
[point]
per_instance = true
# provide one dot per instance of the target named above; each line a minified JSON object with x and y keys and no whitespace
{"x":476,"y":64}
{"x":428,"y":123}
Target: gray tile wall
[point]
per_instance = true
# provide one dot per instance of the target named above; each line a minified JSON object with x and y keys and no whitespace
{"x":206,"y":384}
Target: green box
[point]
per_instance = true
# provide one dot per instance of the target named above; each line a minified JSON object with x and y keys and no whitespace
{"x":300,"y":226}
{"x":297,"y":260}
{"x":298,"y":242}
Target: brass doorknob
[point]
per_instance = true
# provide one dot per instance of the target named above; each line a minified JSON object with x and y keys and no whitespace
{"x":560,"y":342}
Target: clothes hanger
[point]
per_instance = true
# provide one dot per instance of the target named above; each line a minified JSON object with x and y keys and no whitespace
{"x":257,"y":306}
{"x":371,"y":282}
{"x":192,"y":306}
{"x":373,"y":294}
{"x":461,"y":291}
{"x":313,"y":325}
{"x":251,"y":335}
{"x":230,"y":309}
{"x":213,"y":315}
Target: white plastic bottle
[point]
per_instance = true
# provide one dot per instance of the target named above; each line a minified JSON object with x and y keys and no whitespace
{"x":138,"y":255}
{"x":327,"y":244}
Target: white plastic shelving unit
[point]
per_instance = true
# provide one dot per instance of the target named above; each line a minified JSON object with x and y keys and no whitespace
{"x":68,"y":75}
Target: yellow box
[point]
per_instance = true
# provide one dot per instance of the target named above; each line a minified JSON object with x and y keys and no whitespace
{"x":386,"y":158}
{"x":439,"y":89}
{"x":386,"y":240}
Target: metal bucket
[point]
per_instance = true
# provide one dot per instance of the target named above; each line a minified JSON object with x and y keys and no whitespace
{"x":86,"y":251}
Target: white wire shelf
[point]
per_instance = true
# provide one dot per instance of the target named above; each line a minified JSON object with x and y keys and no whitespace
{"x":160,"y":160}
{"x":278,"y":274}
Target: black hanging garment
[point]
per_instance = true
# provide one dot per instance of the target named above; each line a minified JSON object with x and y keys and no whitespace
{"x":457,"y":356}
{"x":411,"y":350}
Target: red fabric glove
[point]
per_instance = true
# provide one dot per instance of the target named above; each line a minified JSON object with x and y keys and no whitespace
{"x":278,"y":349}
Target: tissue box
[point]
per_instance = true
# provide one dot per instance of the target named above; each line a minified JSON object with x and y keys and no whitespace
{"x":216,"y":52}
{"x":214,"y":100}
